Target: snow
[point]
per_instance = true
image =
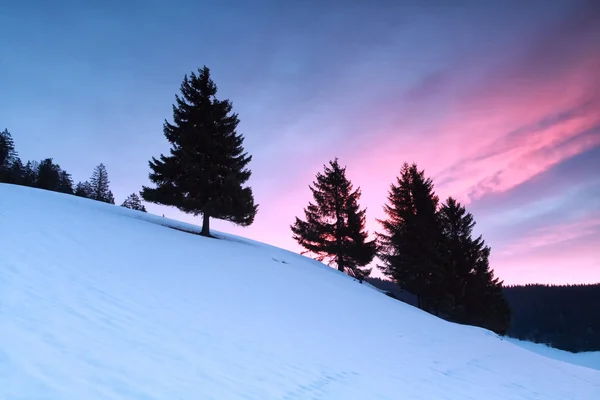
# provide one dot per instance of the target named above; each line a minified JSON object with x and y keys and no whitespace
{"x":590,"y":359}
{"x":102,"y":302}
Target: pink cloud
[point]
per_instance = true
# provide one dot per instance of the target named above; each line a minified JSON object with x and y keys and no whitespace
{"x":576,"y":260}
{"x":480,"y":128}
{"x":553,"y":235}
{"x":505,"y":127}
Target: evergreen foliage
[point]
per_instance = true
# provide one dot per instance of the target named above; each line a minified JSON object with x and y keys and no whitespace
{"x":8,"y":155}
{"x":562,"y":316}
{"x":429,"y":251}
{"x":16,"y":172}
{"x":30,"y":174}
{"x":334,"y":228}
{"x":99,"y":185}
{"x":392,"y":290}
{"x":83,"y":189}
{"x":51,"y":176}
{"x":206,"y":169}
{"x":476,"y":295}
{"x":134,"y":202}
{"x":48,"y":175}
{"x":410,"y":245}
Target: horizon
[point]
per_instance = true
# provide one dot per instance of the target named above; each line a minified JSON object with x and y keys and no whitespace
{"x":499,"y":103}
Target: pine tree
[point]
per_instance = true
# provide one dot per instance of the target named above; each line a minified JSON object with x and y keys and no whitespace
{"x":99,"y":185}
{"x":477,"y":297}
{"x":334,"y":228}
{"x":206,"y":169}
{"x":16,"y":172}
{"x":134,"y":202}
{"x":461,"y":252}
{"x":48,"y":175}
{"x":65,"y":182}
{"x":30,"y":173}
{"x":83,"y":189}
{"x":7,"y":155}
{"x":410,"y":246}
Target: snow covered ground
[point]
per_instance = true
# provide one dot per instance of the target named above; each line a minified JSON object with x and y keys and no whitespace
{"x":590,"y":359}
{"x":101,"y":302}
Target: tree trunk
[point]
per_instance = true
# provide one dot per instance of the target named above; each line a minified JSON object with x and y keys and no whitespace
{"x":340,"y":266}
{"x":205,"y":225}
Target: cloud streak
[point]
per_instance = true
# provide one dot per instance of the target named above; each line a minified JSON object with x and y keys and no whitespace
{"x":498,"y":101}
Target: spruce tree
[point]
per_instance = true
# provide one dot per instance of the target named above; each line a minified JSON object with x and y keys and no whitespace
{"x":30,"y":173}
{"x":206,"y":170}
{"x":334,"y":228}
{"x":410,"y":245}
{"x":477,"y":296}
{"x":16,"y":172}
{"x":134,"y":202}
{"x":8,"y":155}
{"x":65,"y":182}
{"x":51,"y":176}
{"x":461,"y":252}
{"x":48,"y":175}
{"x":99,"y":185}
{"x":83,"y":189}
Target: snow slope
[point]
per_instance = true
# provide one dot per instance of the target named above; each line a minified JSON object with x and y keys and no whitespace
{"x":590,"y":359}
{"x":101,"y":302}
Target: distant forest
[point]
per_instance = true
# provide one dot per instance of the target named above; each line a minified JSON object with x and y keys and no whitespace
{"x":566,"y":317}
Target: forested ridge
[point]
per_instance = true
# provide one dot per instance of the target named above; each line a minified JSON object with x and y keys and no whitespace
{"x":566,"y":317}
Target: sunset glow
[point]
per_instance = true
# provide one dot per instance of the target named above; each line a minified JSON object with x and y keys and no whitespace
{"x":499,"y":103}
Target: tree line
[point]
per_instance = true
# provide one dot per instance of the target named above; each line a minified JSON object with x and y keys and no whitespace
{"x":560,"y":316}
{"x":563,"y":316}
{"x":47,"y":174}
{"x":425,"y":247}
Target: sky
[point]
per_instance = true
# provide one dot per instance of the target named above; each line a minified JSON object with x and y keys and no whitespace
{"x":498,"y":101}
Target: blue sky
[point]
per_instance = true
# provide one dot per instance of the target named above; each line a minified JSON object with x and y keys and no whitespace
{"x":497,"y":101}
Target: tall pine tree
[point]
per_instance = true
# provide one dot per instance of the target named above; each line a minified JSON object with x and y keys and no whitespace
{"x":206,"y":170}
{"x":477,"y":296}
{"x":99,"y":185}
{"x":334,"y":228}
{"x":410,"y":245}
{"x":8,"y":155}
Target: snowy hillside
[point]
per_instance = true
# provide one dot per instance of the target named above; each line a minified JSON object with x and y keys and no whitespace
{"x":590,"y":359}
{"x":101,"y":302}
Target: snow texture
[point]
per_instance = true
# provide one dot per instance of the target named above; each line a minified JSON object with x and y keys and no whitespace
{"x":590,"y":359}
{"x":102,"y":302}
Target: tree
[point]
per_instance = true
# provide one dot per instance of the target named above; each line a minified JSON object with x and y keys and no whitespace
{"x":134,"y":202}
{"x":65,"y":182}
{"x":16,"y":172}
{"x":99,"y":185}
{"x":48,"y":175}
{"x":410,"y":245}
{"x":334,"y":228}
{"x":461,"y":253}
{"x":83,"y":189}
{"x":51,"y":176}
{"x":477,"y":296}
{"x":7,"y":154}
{"x":206,"y":169}
{"x":30,"y":173}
